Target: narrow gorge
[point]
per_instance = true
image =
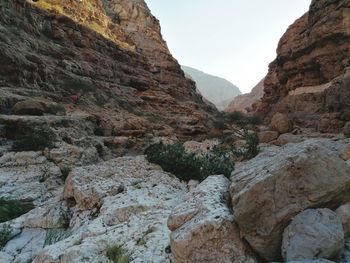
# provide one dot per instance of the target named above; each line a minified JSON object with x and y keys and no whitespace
{"x":109,"y":154}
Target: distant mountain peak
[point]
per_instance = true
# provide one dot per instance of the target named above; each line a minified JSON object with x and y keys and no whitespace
{"x":217,"y":90}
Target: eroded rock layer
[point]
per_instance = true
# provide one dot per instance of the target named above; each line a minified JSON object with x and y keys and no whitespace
{"x":106,"y":59}
{"x":309,"y":80}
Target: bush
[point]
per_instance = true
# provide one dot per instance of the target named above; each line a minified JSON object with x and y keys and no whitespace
{"x":5,"y":235}
{"x":35,"y":139}
{"x":252,"y":145}
{"x":248,"y":151}
{"x":118,"y":255}
{"x":186,"y":166}
{"x":13,"y":209}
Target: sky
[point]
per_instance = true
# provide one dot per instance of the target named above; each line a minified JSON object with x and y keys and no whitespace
{"x":233,"y":39}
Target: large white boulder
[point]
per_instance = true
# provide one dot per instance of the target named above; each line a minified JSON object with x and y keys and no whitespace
{"x":203,"y":228}
{"x":280,"y":183}
{"x":313,"y":234}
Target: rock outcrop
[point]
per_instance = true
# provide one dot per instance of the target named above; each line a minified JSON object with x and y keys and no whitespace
{"x":245,"y":102}
{"x":310,"y":78}
{"x":104,"y":59}
{"x":269,"y":190}
{"x":66,"y":228}
{"x":203,"y":229}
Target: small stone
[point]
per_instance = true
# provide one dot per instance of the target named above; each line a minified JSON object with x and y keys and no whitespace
{"x":345,"y":155}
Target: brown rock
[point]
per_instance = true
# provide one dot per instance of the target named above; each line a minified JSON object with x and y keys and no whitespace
{"x":288,"y":138}
{"x":308,"y":79}
{"x":281,"y":123}
{"x":345,"y":155}
{"x":244,"y":103}
{"x":29,"y":107}
{"x":111,"y":62}
{"x":267,"y":136}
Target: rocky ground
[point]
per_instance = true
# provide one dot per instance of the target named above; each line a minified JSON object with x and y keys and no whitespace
{"x":289,"y":203}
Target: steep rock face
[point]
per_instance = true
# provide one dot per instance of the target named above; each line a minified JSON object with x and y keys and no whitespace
{"x":246,"y":101}
{"x":217,"y":90}
{"x":308,"y":79}
{"x":106,"y":59}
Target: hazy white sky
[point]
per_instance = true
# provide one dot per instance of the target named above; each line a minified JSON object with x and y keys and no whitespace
{"x":233,"y":39}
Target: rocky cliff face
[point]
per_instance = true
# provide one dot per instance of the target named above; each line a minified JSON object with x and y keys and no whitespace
{"x":308,"y":81}
{"x":245,"y":102}
{"x":102,"y":59}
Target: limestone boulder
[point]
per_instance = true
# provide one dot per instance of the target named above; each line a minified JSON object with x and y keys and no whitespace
{"x":203,"y":228}
{"x":280,"y":183}
{"x":313,"y":234}
{"x":343,"y":213}
{"x":281,"y":123}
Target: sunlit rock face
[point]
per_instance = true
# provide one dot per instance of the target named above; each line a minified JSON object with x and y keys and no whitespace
{"x":244,"y":103}
{"x":309,"y":80}
{"x":104,"y":59}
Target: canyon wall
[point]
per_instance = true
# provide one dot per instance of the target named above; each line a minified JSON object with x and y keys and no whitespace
{"x":309,"y":80}
{"x":104,"y":59}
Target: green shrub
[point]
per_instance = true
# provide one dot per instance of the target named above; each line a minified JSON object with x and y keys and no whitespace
{"x":5,"y":235}
{"x":13,"y":209}
{"x":250,"y":148}
{"x":252,"y":145}
{"x":186,"y":166}
{"x":235,"y":116}
{"x":55,"y":235}
{"x":35,"y":139}
{"x":118,"y":255}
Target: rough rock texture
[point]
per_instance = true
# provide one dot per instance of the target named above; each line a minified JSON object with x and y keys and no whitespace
{"x":66,"y":228}
{"x":281,"y":182}
{"x":29,"y":176}
{"x":106,"y":59}
{"x":308,"y":79}
{"x":245,"y":102}
{"x":343,"y":213}
{"x":280,"y":123}
{"x":202,"y":226}
{"x":314,"y":233}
